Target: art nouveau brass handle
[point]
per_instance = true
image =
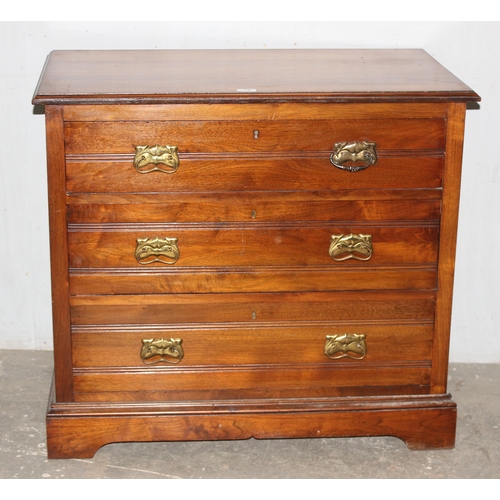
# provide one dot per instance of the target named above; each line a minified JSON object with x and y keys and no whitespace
{"x":353,"y":156}
{"x":156,"y":158}
{"x":149,"y":250}
{"x":345,"y":346}
{"x":350,"y":246}
{"x":162,"y":350}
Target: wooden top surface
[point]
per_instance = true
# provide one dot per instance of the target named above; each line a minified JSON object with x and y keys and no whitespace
{"x":265,"y":75}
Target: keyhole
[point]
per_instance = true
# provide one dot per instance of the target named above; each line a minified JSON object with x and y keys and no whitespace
{"x":255,"y":134}
{"x":254,"y":214}
{"x":254,"y":315}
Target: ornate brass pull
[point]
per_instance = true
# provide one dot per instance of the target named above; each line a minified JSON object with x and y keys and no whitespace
{"x":354,"y":156}
{"x":146,"y":156}
{"x":345,"y":346}
{"x":151,"y":250}
{"x":351,"y":246}
{"x":162,"y":350}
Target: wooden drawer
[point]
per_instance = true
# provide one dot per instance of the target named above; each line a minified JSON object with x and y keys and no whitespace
{"x":218,"y":345}
{"x":251,"y":279}
{"x":222,"y":363}
{"x":121,"y":137}
{"x":258,"y":383}
{"x":255,"y":207}
{"x":252,"y":308}
{"x":248,"y":245}
{"x":202,"y":173}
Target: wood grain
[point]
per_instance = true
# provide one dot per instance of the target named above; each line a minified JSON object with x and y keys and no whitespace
{"x":254,"y":112}
{"x":276,"y":345}
{"x":447,"y":246}
{"x":423,"y":422}
{"x":253,"y":206}
{"x":235,"y":136}
{"x":250,"y":308}
{"x":162,"y":395}
{"x":266,"y":378}
{"x":275,"y":75}
{"x":249,"y":245}
{"x":59,"y":253}
{"x":252,"y":279}
{"x":257,"y":174}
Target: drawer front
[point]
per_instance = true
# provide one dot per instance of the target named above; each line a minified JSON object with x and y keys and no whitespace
{"x":250,"y":382}
{"x":229,"y":173}
{"x":252,"y":136}
{"x":218,"y":275}
{"x":235,"y":363}
{"x":176,"y":346}
{"x":255,"y":208}
{"x":264,"y":245}
{"x":252,"y":308}
{"x":259,"y":279}
{"x":251,"y":345}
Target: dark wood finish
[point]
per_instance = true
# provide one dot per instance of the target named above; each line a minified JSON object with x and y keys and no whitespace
{"x":198,"y":208}
{"x":85,"y":138}
{"x":423,"y":422}
{"x":273,"y":379}
{"x":254,"y":293}
{"x":202,"y":174}
{"x":73,"y":77}
{"x":259,"y":111}
{"x":251,"y":279}
{"x":59,"y":253}
{"x":250,"y":308}
{"x":285,"y":344}
{"x":163,"y":395}
{"x":448,"y":240}
{"x":262,"y":245}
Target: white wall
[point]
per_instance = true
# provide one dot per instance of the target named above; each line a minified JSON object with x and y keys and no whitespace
{"x":470,"y":50}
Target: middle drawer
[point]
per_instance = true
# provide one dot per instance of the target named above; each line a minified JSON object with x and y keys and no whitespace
{"x":201,"y":258}
{"x":205,"y":245}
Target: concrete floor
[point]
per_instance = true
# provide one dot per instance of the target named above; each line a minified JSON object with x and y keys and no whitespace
{"x":24,"y":384}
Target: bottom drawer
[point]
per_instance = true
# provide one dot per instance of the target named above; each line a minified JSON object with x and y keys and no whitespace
{"x":226,"y":346}
{"x":241,"y":363}
{"x":176,"y":347}
{"x":251,"y":382}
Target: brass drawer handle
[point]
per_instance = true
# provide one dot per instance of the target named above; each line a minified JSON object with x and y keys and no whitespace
{"x":156,"y":156}
{"x":162,"y":350}
{"x":149,"y":250}
{"x":345,"y":346}
{"x":354,"y":156}
{"x":351,"y":246}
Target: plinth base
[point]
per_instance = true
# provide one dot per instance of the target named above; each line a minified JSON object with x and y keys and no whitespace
{"x":78,"y":430}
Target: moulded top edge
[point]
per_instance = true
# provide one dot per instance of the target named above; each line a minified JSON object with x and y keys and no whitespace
{"x":406,"y":97}
{"x":397,"y":75}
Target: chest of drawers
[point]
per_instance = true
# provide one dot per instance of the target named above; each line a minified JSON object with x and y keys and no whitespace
{"x":251,"y":244}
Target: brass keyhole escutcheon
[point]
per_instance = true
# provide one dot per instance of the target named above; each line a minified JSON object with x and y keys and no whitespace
{"x":255,"y":134}
{"x":254,"y":214}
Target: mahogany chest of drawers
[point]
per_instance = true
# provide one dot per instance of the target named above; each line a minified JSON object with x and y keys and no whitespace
{"x":251,"y":244}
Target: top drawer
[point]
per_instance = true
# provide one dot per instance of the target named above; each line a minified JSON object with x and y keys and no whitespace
{"x":254,"y":136}
{"x":228,"y":128}
{"x":253,"y":147}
